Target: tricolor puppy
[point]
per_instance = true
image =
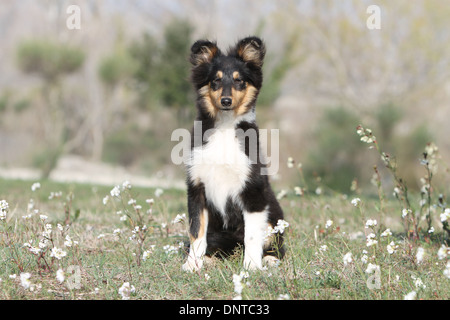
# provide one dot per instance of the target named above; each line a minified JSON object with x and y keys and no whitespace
{"x":230,"y":200}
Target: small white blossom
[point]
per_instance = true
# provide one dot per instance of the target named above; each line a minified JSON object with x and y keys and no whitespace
{"x":60,"y":275}
{"x":405,"y":212}
{"x":411,"y":296}
{"x":4,"y":206}
{"x":328,"y":224}
{"x":391,"y":247}
{"x":445,"y":215}
{"x":126,"y":185}
{"x":419,"y":255}
{"x":371,"y":223}
{"x":57,"y":253}
{"x":126,"y":290}
{"x":179,"y":218}
{"x":290,"y":162}
{"x":372,"y":267}
{"x":371,"y":240}
{"x":356,"y":201}
{"x":447,"y":270}
{"x":35,"y":186}
{"x":158,"y":192}
{"x":419,"y":283}
{"x":281,"y":194}
{"x":347,"y":258}
{"x":386,"y":233}
{"x":115,"y":192}
{"x":443,"y":252}
{"x":25,"y":280}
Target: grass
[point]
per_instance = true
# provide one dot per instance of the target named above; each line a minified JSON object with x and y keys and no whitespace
{"x":104,"y":259}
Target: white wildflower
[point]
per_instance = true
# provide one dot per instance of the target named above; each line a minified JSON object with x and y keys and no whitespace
{"x":392,"y":247}
{"x":419,"y":255}
{"x":159,"y":192}
{"x":60,"y":275}
{"x":126,"y":290}
{"x":179,"y":218}
{"x":25,"y":280}
{"x":371,"y":223}
{"x":372,"y":268}
{"x":281,"y":194}
{"x":57,"y":253}
{"x":290,"y":162}
{"x":411,"y":296}
{"x":115,"y":192}
{"x":298,"y":191}
{"x":445,"y":215}
{"x":364,"y":258}
{"x":443,"y":252}
{"x":68,"y":241}
{"x":371,"y":240}
{"x":386,"y":233}
{"x":355,"y":201}
{"x":4,"y":206}
{"x":447,"y":270}
{"x":328,"y":224}
{"x":35,"y":186}
{"x":405,"y":212}
{"x":126,"y":185}
{"x":419,"y":283}
{"x":347,"y":258}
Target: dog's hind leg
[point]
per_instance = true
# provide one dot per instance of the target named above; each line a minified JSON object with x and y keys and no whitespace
{"x":198,"y":226}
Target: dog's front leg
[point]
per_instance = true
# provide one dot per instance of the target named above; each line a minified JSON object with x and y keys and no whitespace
{"x":198,"y":227}
{"x":255,"y":229}
{"x":197,"y":234}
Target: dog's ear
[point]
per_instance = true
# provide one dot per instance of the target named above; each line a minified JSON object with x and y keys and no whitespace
{"x":203,"y":51}
{"x":251,"y":50}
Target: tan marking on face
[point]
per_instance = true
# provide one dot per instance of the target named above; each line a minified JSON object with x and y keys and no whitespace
{"x":219,"y":74}
{"x":235,"y":75}
{"x":244,"y":99}
{"x":208,"y":101}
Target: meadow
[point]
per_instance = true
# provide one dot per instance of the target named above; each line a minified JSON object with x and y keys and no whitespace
{"x":91,"y":242}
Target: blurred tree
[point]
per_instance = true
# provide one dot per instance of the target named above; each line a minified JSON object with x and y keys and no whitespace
{"x":334,"y":158}
{"x":163,"y":72}
{"x":50,"y":61}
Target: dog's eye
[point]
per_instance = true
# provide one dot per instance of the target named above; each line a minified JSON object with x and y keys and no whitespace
{"x":238,"y":81}
{"x":217,"y":80}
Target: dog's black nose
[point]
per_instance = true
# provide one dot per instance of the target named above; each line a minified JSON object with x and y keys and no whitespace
{"x":226,"y":102}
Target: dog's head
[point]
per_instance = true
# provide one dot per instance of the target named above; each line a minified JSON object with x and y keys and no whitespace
{"x":228,"y":82}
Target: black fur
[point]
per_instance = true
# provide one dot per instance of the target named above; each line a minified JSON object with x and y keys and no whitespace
{"x":256,"y":195}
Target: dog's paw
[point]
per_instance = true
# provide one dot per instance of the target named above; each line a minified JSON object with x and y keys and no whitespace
{"x":251,"y":264}
{"x":192,"y":265}
{"x":271,"y":261}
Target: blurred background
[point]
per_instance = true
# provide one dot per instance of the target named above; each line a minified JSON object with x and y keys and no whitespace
{"x":101,"y":101}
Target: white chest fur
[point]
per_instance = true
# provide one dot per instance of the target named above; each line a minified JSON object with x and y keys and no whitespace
{"x":220,"y":164}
